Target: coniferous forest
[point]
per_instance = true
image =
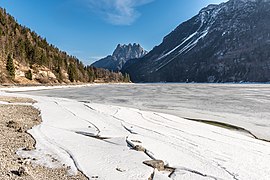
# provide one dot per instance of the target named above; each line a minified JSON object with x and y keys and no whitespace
{"x":27,"y":58}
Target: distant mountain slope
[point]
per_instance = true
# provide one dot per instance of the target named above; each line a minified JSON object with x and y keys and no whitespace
{"x":30,"y":59}
{"x":229,"y":42}
{"x":120,"y":56}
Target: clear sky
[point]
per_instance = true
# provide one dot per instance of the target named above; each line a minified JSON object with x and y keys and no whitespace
{"x":91,"y":29}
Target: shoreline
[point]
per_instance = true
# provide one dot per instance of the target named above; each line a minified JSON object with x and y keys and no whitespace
{"x":37,"y":87}
{"x":22,"y":88}
{"x":17,"y":117}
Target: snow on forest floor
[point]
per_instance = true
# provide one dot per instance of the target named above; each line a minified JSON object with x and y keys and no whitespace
{"x":97,"y":139}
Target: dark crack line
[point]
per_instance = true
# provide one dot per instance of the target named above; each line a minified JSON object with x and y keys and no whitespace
{"x":98,"y":131}
{"x":155,"y":132}
{"x":198,"y":173}
{"x":157,"y":114}
{"x":104,"y":139}
{"x":116,"y":112}
{"x":86,"y":105}
{"x":75,"y":163}
{"x":230,"y":173}
{"x":175,"y":137}
{"x":164,"y":125}
{"x":69,"y":154}
{"x":129,"y":130}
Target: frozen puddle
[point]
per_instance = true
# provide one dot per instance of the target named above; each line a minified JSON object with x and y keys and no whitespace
{"x":97,"y":140}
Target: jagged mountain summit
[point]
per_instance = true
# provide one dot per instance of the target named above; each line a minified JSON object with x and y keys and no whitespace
{"x":229,"y":42}
{"x":120,"y":56}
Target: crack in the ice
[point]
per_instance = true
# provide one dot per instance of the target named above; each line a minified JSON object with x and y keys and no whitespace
{"x":129,"y":130}
{"x":90,"y":135}
{"x":116,"y":112}
{"x":198,"y":173}
{"x":74,"y":161}
{"x":98,"y":130}
{"x":183,"y":131}
{"x":161,"y":134}
{"x":86,"y":105}
{"x":157,"y":114}
{"x":152,"y":175}
{"x":104,"y":139}
{"x":230,"y":173}
{"x":53,"y":143}
{"x":186,"y":140}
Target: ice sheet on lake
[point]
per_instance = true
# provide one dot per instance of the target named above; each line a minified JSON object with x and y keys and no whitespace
{"x":243,"y":105}
{"x":94,"y":138}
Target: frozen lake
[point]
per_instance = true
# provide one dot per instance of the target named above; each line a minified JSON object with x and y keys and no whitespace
{"x":244,"y":105}
{"x":94,"y":130}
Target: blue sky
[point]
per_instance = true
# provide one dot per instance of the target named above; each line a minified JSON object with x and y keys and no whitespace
{"x":91,"y":29}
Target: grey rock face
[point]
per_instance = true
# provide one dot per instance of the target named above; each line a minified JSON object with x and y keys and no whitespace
{"x":120,"y":56}
{"x":229,"y":42}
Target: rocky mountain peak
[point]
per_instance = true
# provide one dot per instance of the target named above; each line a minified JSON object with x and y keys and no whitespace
{"x":129,"y":51}
{"x":120,"y":56}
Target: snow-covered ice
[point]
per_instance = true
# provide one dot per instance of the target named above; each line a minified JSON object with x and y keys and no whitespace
{"x":243,"y":105}
{"x":96,"y":139}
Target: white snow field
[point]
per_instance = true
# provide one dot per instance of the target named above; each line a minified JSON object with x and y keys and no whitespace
{"x":96,"y":139}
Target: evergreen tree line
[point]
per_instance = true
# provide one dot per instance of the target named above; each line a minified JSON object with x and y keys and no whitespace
{"x":26,"y":47}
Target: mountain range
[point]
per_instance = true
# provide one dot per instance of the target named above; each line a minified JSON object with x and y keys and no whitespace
{"x":121,"y":55}
{"x":229,"y":42}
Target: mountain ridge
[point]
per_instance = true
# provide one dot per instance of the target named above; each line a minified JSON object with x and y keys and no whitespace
{"x":222,"y":43}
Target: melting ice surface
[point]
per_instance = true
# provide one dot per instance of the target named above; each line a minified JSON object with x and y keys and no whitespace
{"x":196,"y":150}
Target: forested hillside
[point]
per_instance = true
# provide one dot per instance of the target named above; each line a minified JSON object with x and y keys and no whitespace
{"x":27,"y":58}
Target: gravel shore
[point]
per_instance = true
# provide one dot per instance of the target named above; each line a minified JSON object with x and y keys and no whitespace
{"x":15,"y":120}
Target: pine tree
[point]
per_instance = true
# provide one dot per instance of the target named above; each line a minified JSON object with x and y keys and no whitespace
{"x":10,"y":67}
{"x":29,"y":75}
{"x":91,"y":74}
{"x":71,"y":72}
{"x":126,"y":78}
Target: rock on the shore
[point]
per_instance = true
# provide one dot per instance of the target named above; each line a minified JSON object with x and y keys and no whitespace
{"x":157,"y":164}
